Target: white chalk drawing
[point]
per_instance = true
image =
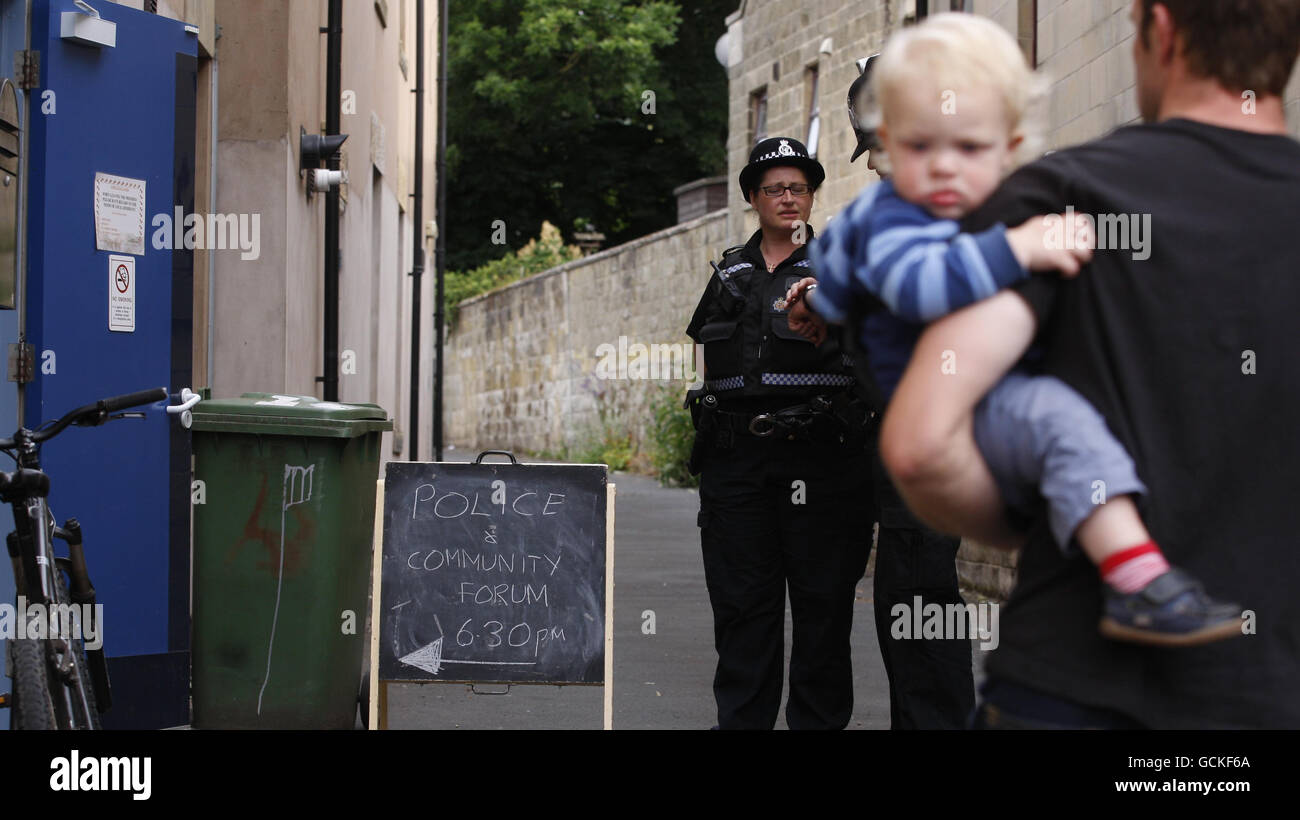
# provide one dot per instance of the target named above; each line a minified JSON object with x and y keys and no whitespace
{"x":430,"y":659}
{"x":296,"y":490}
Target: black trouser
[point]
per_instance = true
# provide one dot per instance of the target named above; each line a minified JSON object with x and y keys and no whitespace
{"x":931,"y":685}
{"x":762,"y":532}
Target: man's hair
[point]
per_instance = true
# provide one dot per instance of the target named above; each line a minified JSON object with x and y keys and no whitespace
{"x":1243,"y":44}
{"x":952,"y":51}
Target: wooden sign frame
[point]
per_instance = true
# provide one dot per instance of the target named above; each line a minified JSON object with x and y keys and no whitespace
{"x":378,"y":706}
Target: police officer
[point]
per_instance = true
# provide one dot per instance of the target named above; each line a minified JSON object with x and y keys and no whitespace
{"x":780,"y":446}
{"x":931,"y":685}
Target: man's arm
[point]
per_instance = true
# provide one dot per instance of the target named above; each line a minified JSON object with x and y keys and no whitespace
{"x":927,"y":440}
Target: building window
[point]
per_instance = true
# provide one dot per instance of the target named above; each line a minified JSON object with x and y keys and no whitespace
{"x":814,"y":113}
{"x":757,"y":116}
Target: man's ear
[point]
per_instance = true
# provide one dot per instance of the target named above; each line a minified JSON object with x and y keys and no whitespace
{"x":1165,"y":33}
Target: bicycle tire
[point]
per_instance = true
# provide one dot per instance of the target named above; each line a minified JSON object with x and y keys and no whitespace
{"x":37,"y":684}
{"x":33,"y":705}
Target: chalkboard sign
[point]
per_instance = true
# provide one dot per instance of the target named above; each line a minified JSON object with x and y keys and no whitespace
{"x":493,"y":572}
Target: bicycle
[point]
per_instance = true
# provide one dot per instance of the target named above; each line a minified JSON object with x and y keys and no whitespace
{"x":58,"y":682}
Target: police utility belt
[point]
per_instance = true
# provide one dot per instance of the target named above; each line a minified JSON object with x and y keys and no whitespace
{"x":840,"y":418}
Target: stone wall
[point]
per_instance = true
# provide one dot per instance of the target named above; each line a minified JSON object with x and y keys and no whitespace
{"x":522,"y":361}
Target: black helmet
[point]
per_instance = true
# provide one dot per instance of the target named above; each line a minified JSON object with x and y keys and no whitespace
{"x":859,"y":102}
{"x":775,"y":152}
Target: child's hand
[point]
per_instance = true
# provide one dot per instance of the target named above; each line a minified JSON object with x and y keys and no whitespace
{"x":1040,"y":244}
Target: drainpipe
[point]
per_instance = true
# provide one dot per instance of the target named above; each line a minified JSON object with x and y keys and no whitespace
{"x":440,"y":246}
{"x":333,"y":67}
{"x":417,"y":238}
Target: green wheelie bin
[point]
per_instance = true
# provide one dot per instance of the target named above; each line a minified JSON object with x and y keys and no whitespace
{"x":284,"y":511}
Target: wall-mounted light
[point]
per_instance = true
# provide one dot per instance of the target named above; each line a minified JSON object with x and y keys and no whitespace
{"x":86,"y":27}
{"x":323,"y":179}
{"x":315,"y":150}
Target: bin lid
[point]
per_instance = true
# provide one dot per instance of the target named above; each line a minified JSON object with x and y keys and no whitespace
{"x":274,"y":414}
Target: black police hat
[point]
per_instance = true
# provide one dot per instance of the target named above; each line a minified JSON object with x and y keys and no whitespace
{"x":777,"y":152}
{"x":859,"y":99}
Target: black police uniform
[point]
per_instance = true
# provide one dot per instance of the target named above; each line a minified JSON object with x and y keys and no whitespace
{"x":781,"y":447}
{"x":931,"y":684}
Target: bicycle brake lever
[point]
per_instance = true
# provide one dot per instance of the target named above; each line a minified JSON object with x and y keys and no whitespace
{"x":130,"y":414}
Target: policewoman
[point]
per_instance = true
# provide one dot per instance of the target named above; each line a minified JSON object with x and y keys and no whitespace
{"x":780,"y":436}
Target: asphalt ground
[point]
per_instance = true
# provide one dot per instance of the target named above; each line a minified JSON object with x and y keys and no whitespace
{"x":662,"y":678}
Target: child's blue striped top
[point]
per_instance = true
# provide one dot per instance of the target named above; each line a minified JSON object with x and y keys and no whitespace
{"x":920,"y":267}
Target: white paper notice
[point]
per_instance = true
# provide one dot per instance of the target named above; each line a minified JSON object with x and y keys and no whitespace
{"x":121,"y":293}
{"x":119,"y":214}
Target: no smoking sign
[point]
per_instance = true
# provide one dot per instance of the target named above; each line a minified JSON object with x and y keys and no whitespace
{"x":121,"y":293}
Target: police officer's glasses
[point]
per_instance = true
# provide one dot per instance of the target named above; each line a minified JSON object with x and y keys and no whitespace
{"x":798,"y":189}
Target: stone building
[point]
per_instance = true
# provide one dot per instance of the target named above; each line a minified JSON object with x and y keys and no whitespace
{"x":790,"y":65}
{"x":262,"y":78}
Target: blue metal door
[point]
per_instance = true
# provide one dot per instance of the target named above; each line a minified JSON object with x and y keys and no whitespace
{"x":111,"y":149}
{"x":13,"y":39}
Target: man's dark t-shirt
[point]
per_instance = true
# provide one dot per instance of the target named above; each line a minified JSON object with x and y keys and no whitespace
{"x":1193,"y":357}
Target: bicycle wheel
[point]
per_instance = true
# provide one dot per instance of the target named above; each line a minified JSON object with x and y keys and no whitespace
{"x":43,"y":697}
{"x":33,"y":707}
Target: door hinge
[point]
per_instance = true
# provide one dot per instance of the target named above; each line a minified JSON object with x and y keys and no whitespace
{"x":22,"y":362}
{"x":27,"y":69}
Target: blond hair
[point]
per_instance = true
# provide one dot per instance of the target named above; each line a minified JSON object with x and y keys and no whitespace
{"x":954,"y":50}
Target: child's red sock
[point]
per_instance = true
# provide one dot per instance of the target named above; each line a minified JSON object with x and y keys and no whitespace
{"x":1129,"y":570}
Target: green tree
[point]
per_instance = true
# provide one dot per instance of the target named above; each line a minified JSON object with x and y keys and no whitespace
{"x":549,"y":117}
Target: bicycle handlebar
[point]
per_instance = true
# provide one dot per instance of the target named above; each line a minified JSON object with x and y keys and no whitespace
{"x":133,"y":399}
{"x":96,"y":413}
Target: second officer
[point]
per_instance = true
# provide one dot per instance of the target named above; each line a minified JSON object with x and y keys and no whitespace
{"x":780,"y":451}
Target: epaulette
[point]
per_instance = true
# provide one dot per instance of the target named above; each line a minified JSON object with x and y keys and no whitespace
{"x":734,"y":266}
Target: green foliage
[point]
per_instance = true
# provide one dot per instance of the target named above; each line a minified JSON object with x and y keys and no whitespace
{"x":608,"y":441}
{"x":609,"y":446}
{"x":538,"y":255}
{"x":671,"y":438}
{"x":547,"y":120}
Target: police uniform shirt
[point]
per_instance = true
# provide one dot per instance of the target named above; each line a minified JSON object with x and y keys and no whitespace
{"x":752,"y":352}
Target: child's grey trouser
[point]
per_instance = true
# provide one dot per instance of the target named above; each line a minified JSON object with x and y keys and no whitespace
{"x":1038,"y":435}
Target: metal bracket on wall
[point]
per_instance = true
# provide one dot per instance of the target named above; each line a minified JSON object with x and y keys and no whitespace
{"x":22,"y":362}
{"x":27,"y":69}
